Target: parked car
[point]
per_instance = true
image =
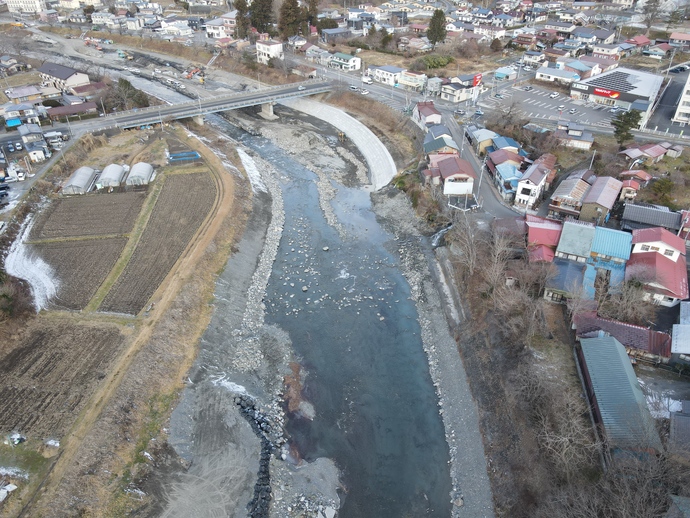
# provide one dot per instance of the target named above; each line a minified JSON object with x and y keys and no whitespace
{"x":479,"y":112}
{"x":553,"y":95}
{"x":459,"y":112}
{"x":572,"y":110}
{"x":561,"y":107}
{"x":615,"y":109}
{"x":498,"y":96}
{"x":675,"y":70}
{"x":527,"y":68}
{"x":364,"y":92}
{"x":4,"y":187}
{"x":18,"y":146}
{"x":353,"y":88}
{"x":528,"y":88}
{"x":10,"y":148}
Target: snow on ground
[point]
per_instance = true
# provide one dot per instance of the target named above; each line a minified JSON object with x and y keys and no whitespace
{"x":252,"y":171}
{"x":6,"y":471}
{"x":22,"y":263}
{"x":660,"y":402}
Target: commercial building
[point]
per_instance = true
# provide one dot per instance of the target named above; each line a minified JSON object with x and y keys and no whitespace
{"x":622,"y":87}
{"x":683,"y":110}
{"x":26,"y":6}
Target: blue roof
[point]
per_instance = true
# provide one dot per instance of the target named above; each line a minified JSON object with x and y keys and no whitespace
{"x":508,"y":173}
{"x":588,"y":280}
{"x":578,"y":65}
{"x":12,"y":123}
{"x":611,"y":242}
{"x":504,"y":142}
{"x":568,"y":276}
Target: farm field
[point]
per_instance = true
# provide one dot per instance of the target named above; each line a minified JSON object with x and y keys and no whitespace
{"x":81,"y":265}
{"x":92,"y":215}
{"x":182,"y":206}
{"x":50,"y":374}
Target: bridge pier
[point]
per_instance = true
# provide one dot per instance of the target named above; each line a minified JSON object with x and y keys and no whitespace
{"x":267,"y":111}
{"x":198,"y":119}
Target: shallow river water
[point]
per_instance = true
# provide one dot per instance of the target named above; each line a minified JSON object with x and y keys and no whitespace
{"x":356,"y":333}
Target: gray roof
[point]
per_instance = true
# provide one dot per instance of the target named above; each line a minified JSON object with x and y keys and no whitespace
{"x":436,"y":131}
{"x":568,"y":276}
{"x":644,"y":216}
{"x":576,"y":238}
{"x":627,"y":422}
{"x":680,"y":430}
{"x":55,"y":70}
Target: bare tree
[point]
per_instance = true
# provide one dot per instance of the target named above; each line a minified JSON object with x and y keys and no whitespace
{"x":468,"y":239}
{"x":628,"y":303}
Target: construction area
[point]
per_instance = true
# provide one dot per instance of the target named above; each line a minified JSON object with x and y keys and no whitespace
{"x":125,"y":265}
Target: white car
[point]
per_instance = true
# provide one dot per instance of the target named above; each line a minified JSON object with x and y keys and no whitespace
{"x":364,"y":92}
{"x":553,"y":95}
{"x":301,"y":88}
{"x":18,"y":146}
{"x":353,"y":88}
{"x":561,"y":107}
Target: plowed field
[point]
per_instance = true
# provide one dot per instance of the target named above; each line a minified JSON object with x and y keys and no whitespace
{"x":47,"y":378}
{"x":92,"y":215}
{"x":81,"y":265}
{"x":182,"y":206}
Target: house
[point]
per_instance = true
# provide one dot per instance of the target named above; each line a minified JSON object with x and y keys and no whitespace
{"x":576,"y":241}
{"x":556,"y":75}
{"x":61,"y":77}
{"x":480,"y":138}
{"x":333,"y":35}
{"x":462,"y":88}
{"x":506,"y":178}
{"x":533,"y":183}
{"x":679,"y":40}
{"x":648,"y":216}
{"x":501,"y":156}
{"x":640,"y":41}
{"x":571,"y":134}
{"x":672,"y":150}
{"x":425,"y":114}
{"x":648,"y":154}
{"x":534,"y":57}
{"x":637,"y":340}
{"x":543,"y":236}
{"x":456,"y":174}
{"x":659,"y":51}
{"x":618,"y":404}
{"x":387,"y":75}
{"x":216,"y":29}
{"x":440,"y":145}
{"x":23,"y":94}
{"x":598,"y":202}
{"x":604,"y":64}
{"x":566,"y":200}
{"x":636,"y":174}
{"x":267,"y":50}
{"x":87,"y":108}
{"x":346,"y":62}
{"x":565,"y":281}
{"x":30,"y":133}
{"x":410,"y":80}
{"x":629,"y":190}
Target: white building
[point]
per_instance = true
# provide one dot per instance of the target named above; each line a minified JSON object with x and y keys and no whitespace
{"x":269,"y":49}
{"x":683,"y":110}
{"x":388,"y":74}
{"x":26,"y":6}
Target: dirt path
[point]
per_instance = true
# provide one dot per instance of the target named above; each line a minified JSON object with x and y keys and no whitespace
{"x":164,"y":296}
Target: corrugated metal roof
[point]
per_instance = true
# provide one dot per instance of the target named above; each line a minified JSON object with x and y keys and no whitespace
{"x":658,"y":234}
{"x":571,"y":189}
{"x":636,"y":337}
{"x":685,"y":313}
{"x":576,"y":238}
{"x":660,"y":274}
{"x":681,"y":339}
{"x":568,"y":276}
{"x":627,"y":421}
{"x":604,"y":192}
{"x":611,"y":242}
{"x":640,"y":216}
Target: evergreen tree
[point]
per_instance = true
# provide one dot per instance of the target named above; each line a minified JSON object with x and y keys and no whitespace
{"x":496,"y":45}
{"x":623,"y":123}
{"x":262,"y":14}
{"x":242,"y":19}
{"x":312,"y":12}
{"x":437,"y":27}
{"x":290,"y":18}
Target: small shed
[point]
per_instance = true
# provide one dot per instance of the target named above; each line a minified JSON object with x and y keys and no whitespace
{"x":111,"y":176}
{"x":140,"y":174}
{"x":80,"y":182}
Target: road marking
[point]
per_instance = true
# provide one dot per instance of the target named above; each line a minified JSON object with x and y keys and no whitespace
{"x":530,"y":114}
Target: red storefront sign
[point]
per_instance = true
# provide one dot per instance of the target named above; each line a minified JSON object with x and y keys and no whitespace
{"x":477,"y":79}
{"x":612,"y":94}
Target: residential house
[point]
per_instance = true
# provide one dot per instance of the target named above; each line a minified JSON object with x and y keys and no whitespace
{"x":440,"y":145}
{"x":387,"y":75}
{"x":527,"y":40}
{"x":552,"y":54}
{"x":506,"y":178}
{"x":680,"y":40}
{"x":576,"y":241}
{"x":346,"y":62}
{"x":411,"y":80}
{"x":636,"y":174}
{"x":531,"y":186}
{"x":607,"y":51}
{"x":506,"y":143}
{"x":658,"y":261}
{"x":672,"y":150}
{"x":334,"y":35}
{"x":561,"y":28}
{"x":565,"y":282}
{"x":648,"y":154}
{"x":60,"y":112}
{"x":607,"y":260}
{"x":543,"y":236}
{"x":24,"y":94}
{"x":61,"y":77}
{"x":638,"y":340}
{"x":618,"y":405}
{"x":462,"y":88}
{"x":566,"y":200}
{"x":534,"y":57}
{"x":16,"y":114}
{"x":605,"y":64}
{"x":480,"y":138}
{"x":216,"y":29}
{"x":641,"y":42}
{"x":571,"y":134}
{"x":649,"y":216}
{"x":629,"y":191}
{"x":501,"y":156}
{"x":425,"y":114}
{"x":658,"y":51}
{"x":600,"y":199}
{"x":456,"y":174}
{"x":491,"y":31}
{"x":267,"y":50}
{"x":584,"y":70}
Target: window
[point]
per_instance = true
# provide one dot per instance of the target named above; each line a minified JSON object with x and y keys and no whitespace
{"x":644,"y":248}
{"x":668,"y":252}
{"x":655,"y":249}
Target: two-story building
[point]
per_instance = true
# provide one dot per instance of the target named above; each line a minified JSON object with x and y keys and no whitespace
{"x":267,"y":50}
{"x":387,"y":74}
{"x":346,"y":62}
{"x":61,"y":77}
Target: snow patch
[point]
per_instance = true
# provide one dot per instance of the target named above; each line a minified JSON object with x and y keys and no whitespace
{"x":252,"y":171}
{"x":22,"y":263}
{"x":13,"y":472}
{"x":232,"y":387}
{"x":52,"y":442}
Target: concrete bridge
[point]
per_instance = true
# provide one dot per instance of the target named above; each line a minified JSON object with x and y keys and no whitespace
{"x":266,"y":97}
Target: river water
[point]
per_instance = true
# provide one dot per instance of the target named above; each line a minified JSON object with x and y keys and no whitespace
{"x":345,"y":305}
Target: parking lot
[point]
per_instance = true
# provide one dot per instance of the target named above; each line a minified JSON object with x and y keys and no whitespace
{"x":539,"y":103}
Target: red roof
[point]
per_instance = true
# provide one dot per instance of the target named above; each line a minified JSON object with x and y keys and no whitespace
{"x":637,"y":337}
{"x":504,"y":155}
{"x":453,"y":165}
{"x":639,"y":40}
{"x":653,"y":150}
{"x":631,"y":184}
{"x":544,"y":232}
{"x":651,"y":235}
{"x":660,"y":274}
{"x":641,"y":175}
{"x":541,"y":253}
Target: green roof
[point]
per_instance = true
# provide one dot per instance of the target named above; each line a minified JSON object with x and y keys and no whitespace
{"x":627,"y":422}
{"x":343,"y":56}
